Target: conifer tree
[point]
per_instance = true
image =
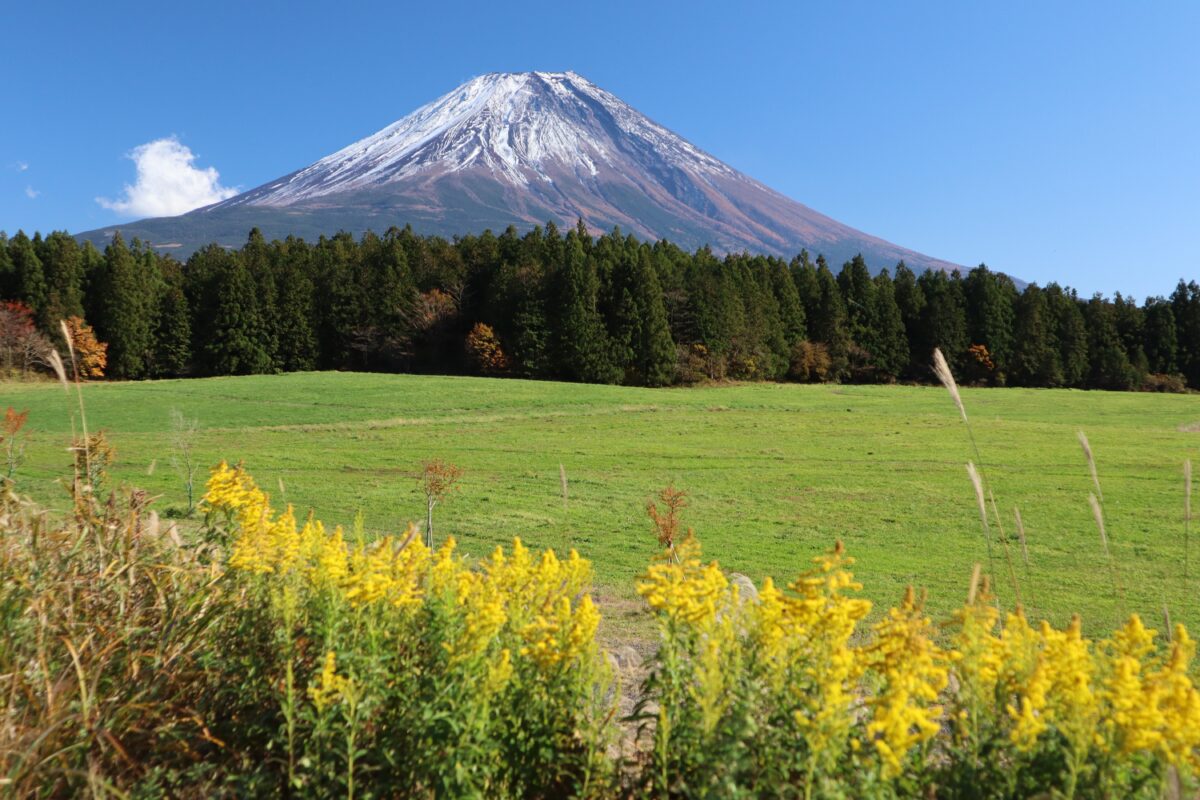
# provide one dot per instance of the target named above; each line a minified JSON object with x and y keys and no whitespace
{"x":8,"y":280}
{"x":858,"y":290}
{"x":62,"y":262}
{"x":235,"y":344}
{"x":1185,"y":305}
{"x":943,"y":319}
{"x":29,"y":279}
{"x":990,"y":298}
{"x":911,"y":301}
{"x":1109,"y":365}
{"x":173,"y":331}
{"x":791,"y":309}
{"x":1071,"y":333}
{"x":582,"y":349}
{"x":891,"y":342}
{"x":828,"y":323}
{"x":127,"y":305}
{"x":1159,"y":339}
{"x":1035,"y":359}
{"x":297,"y":341}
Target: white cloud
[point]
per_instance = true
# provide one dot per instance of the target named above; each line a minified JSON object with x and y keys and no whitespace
{"x":20,"y":166}
{"x":31,"y":192}
{"x":167,"y":182}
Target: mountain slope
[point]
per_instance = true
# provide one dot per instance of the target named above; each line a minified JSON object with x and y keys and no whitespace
{"x":520,"y":149}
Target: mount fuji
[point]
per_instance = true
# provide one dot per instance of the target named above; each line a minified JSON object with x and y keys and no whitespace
{"x":522,"y":149}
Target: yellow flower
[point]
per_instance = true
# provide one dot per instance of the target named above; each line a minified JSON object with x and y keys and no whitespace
{"x":914,"y":671}
{"x":684,"y":589}
{"x":330,"y":687}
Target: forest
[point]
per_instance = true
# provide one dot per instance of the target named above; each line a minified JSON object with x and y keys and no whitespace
{"x":570,"y":307}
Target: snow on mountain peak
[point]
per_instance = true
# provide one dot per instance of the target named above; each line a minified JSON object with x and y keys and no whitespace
{"x":520,"y":127}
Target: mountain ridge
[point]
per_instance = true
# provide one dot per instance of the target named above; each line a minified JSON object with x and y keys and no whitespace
{"x":523,"y":149}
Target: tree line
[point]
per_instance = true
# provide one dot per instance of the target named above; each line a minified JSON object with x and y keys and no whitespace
{"x":573,"y":307}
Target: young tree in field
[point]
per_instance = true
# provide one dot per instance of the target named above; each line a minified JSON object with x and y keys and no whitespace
{"x":439,"y":479}
{"x":183,"y":444}
{"x":14,"y":440}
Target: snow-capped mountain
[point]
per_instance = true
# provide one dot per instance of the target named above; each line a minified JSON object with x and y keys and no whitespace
{"x":521,"y":149}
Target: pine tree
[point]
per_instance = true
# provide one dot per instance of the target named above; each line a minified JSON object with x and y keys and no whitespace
{"x":804,"y":273}
{"x":1159,"y":339}
{"x":653,"y":349}
{"x":791,"y":309}
{"x":1109,"y":365}
{"x":891,"y":342}
{"x":235,"y":345}
{"x":943,"y":319}
{"x":1071,"y":333}
{"x":828,"y":323}
{"x":62,"y":262}
{"x":173,"y":331}
{"x":127,"y":306}
{"x":990,"y":298}
{"x":297,"y":341}
{"x":29,"y":279}
{"x":1035,"y":359}
{"x":581,"y":346}
{"x":858,"y":290}
{"x":911,"y":300}
{"x":1185,"y":305}
{"x":1131,"y":322}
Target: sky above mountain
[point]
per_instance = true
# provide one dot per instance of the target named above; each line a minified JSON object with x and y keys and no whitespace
{"x":1053,"y":141}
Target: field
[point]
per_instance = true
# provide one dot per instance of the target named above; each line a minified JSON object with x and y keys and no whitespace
{"x":774,"y":473}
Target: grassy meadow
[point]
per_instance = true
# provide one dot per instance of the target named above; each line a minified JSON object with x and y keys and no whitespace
{"x":774,"y":473}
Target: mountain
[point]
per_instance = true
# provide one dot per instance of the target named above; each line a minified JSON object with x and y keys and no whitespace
{"x":520,"y":149}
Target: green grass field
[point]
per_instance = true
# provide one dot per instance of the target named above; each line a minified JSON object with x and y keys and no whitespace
{"x":775,"y":473}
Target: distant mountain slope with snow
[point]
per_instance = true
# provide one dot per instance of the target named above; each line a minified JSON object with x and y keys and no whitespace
{"x":520,"y":149}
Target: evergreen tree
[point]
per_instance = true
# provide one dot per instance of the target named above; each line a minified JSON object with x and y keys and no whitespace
{"x":943,"y":319}
{"x":173,"y":331}
{"x":804,"y":274}
{"x":653,"y":350}
{"x":581,"y":346}
{"x":127,"y":306}
{"x":791,"y":308}
{"x":62,"y":262}
{"x":828,"y":324}
{"x":297,"y":341}
{"x":1071,"y":333}
{"x":891,"y":343}
{"x":236,"y":340}
{"x":29,"y":279}
{"x":1131,"y":322}
{"x":1035,"y":359}
{"x":1159,"y":339}
{"x":910,"y":299}
{"x":990,"y":299}
{"x":1109,"y":365}
{"x":1185,"y":306}
{"x":858,"y":290}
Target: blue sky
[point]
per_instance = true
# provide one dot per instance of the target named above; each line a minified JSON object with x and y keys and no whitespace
{"x":1056,"y":141}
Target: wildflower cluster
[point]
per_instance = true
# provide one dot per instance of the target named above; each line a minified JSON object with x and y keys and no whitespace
{"x":421,"y":653}
{"x":790,"y":694}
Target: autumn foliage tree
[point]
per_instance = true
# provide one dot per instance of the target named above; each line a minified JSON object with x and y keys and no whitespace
{"x":91,"y":354}
{"x":483,"y":347}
